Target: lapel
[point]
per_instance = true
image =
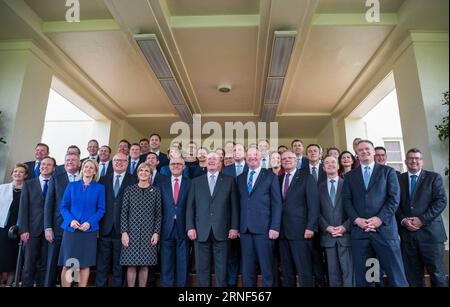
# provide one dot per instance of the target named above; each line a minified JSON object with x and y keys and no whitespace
{"x":359,"y":178}
{"x":296,"y":177}
{"x":323,"y":189}
{"x":182,"y":189}
{"x":375,"y":175}
{"x":418,"y":183}
{"x":262,"y":174}
{"x":38,"y":188}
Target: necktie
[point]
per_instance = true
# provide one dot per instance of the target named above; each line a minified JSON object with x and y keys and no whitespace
{"x":333,"y":192}
{"x":299,"y":163}
{"x":176,"y":191}
{"x":117,"y":186}
{"x":212,"y":183}
{"x":286,"y":184}
{"x":44,"y":189}
{"x":366,"y":176}
{"x":250,"y":182}
{"x":264,"y":163}
{"x":103,"y":171}
{"x":37,"y":169}
{"x":71,"y":177}
{"x":412,"y":185}
{"x":238,"y":169}
{"x":133,"y":167}
{"x":314,"y":173}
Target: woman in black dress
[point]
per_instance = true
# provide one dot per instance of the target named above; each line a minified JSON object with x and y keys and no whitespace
{"x":9,"y":211}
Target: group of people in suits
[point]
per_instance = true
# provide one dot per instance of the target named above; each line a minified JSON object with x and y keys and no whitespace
{"x":283,"y":214}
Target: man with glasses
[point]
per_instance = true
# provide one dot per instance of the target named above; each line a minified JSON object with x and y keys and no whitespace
{"x":174,"y":241}
{"x":381,"y":156}
{"x":109,"y":241}
{"x":422,"y":233}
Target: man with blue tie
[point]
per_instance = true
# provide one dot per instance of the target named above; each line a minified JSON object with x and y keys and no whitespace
{"x":422,"y":233}
{"x":371,"y":196}
{"x":299,"y":221}
{"x":52,"y":214}
{"x":212,"y":217}
{"x":109,"y":241}
{"x":40,"y":152}
{"x":134,"y":159}
{"x":92,"y":149}
{"x":31,"y":224}
{"x":260,"y":218}
{"x":174,"y":241}
{"x":238,"y":167}
{"x":334,"y":224}
{"x":301,"y":161}
{"x":105,"y":165}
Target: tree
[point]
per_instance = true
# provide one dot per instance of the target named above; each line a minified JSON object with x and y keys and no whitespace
{"x":443,"y":127}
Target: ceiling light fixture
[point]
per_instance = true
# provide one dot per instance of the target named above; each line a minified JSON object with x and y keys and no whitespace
{"x":224,"y":88}
{"x":150,"y":47}
{"x":283,"y":44}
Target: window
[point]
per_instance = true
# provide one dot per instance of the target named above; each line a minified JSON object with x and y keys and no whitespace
{"x":394,"y":154}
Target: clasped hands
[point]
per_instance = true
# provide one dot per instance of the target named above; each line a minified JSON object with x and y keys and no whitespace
{"x":369,"y":225}
{"x":81,"y":227}
{"x":337,"y":231}
{"x":412,"y":223}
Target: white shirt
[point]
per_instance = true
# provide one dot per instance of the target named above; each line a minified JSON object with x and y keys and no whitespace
{"x":336,"y":181}
{"x":291,"y":175}
{"x":156,"y":151}
{"x":411,"y":174}
{"x":255,"y":175}
{"x":77,"y":176}
{"x":120,"y":178}
{"x":371,"y":166}
{"x":265,"y":162}
{"x":41,"y":180}
{"x":317,"y":168}
{"x":155,"y":171}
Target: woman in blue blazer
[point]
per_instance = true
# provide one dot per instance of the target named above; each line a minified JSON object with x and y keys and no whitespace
{"x":82,"y":207}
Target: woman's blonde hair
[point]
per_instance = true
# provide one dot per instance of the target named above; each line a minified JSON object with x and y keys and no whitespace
{"x":144,"y":165}
{"x":95,"y":178}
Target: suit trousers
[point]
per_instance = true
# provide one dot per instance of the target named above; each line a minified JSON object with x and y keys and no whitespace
{"x":52,"y":271}
{"x":174,"y":259}
{"x":35,"y":261}
{"x":417,"y":255}
{"x":296,"y":258}
{"x":203,"y":261}
{"x":386,"y":251}
{"x":340,"y":266}
{"x":108,"y":259}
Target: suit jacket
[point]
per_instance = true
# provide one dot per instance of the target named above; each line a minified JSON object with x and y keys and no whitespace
{"x":31,"y":208}
{"x":261,"y":209}
{"x":428,"y":202}
{"x":332,"y":216}
{"x":31,"y":165}
{"x":110,"y":222}
{"x":109,"y":170}
{"x":300,"y":208}
{"x":135,"y":170}
{"x":321,"y":175}
{"x":170,"y":209}
{"x":219,"y":212}
{"x":159,"y":178}
{"x":83,"y":205}
{"x":305,"y":162}
{"x":231,"y":170}
{"x":52,"y":212}
{"x":381,"y":199}
{"x":163,"y":160}
{"x":84,"y":159}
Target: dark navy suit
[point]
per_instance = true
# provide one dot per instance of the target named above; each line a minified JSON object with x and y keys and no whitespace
{"x":381,"y":199}
{"x":424,"y":247}
{"x":174,"y":241}
{"x":109,"y":241}
{"x":260,"y":212}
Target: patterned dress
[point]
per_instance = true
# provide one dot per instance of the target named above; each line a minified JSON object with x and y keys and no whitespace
{"x":140,"y":218}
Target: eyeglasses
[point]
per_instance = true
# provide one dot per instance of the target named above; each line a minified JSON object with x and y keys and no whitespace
{"x":413,"y":159}
{"x":176,"y":164}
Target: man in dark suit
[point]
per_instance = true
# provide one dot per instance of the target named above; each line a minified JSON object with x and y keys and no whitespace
{"x":315,"y":168}
{"x":334,"y":224}
{"x":260,"y":219}
{"x":234,"y":252}
{"x":105,"y":166}
{"x":381,"y":156}
{"x":92,"y":149}
{"x":52,"y":214}
{"x":212,"y":217}
{"x":155,"y":146}
{"x":174,"y":241}
{"x":72,"y":149}
{"x":301,"y":162}
{"x":40,"y":152}
{"x":109,"y":241}
{"x":157,"y":177}
{"x":31,"y":223}
{"x":134,"y":160}
{"x":299,"y":221}
{"x":422,"y":233}
{"x":371,"y":195}
{"x":144,"y":144}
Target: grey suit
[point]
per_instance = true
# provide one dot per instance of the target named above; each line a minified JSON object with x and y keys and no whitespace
{"x":212,"y":217}
{"x":338,"y":249}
